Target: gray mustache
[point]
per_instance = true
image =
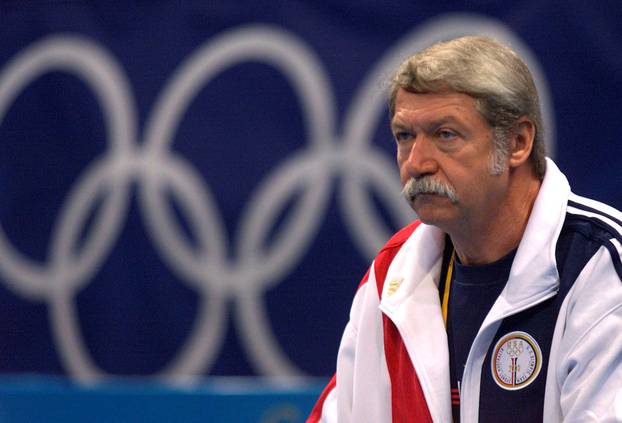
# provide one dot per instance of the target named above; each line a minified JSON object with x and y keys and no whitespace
{"x":427,"y":185}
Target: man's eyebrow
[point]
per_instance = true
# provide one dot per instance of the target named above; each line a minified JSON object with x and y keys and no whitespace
{"x":436,"y":123}
{"x":428,"y":126}
{"x":397,"y":126}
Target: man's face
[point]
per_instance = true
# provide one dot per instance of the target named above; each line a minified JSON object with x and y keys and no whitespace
{"x":444,"y":144}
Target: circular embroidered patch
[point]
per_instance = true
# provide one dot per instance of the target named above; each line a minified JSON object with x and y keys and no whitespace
{"x":516,"y":361}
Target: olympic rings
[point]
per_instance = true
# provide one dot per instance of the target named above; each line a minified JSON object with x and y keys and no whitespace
{"x":156,"y":168}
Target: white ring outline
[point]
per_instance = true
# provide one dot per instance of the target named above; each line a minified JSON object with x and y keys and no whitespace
{"x":306,"y":75}
{"x":99,"y":71}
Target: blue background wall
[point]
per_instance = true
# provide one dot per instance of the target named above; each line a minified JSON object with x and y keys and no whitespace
{"x":196,"y":188}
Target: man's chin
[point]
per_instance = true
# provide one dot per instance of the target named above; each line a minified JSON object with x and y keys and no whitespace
{"x":435,"y":220}
{"x":427,"y":218}
{"x":435,"y":214}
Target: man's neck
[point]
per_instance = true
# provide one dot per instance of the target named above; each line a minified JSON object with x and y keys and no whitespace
{"x":492,"y":235}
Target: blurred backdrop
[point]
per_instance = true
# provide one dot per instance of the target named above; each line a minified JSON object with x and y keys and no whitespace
{"x":193,"y":189}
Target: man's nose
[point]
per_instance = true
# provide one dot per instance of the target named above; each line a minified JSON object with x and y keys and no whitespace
{"x":421,"y":159}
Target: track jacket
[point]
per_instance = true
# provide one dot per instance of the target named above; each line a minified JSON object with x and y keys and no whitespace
{"x":557,"y":323}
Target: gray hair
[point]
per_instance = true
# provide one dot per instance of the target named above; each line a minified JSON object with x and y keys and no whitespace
{"x":488,"y":71}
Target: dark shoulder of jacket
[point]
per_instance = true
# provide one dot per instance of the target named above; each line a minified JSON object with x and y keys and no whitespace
{"x":581,"y":237}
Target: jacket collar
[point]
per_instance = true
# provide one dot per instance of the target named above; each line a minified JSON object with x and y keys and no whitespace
{"x":534,"y":272}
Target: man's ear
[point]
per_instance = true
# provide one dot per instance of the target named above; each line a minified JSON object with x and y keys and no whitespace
{"x":522,"y":142}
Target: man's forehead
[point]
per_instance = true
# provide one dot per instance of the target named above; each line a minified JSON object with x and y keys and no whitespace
{"x":437,"y":106}
{"x":409,"y":99}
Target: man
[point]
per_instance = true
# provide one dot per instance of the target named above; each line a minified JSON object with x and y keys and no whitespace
{"x":504,"y":301}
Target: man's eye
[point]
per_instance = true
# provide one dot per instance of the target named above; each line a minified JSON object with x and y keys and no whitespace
{"x":446,"y":135}
{"x":401,"y":137}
